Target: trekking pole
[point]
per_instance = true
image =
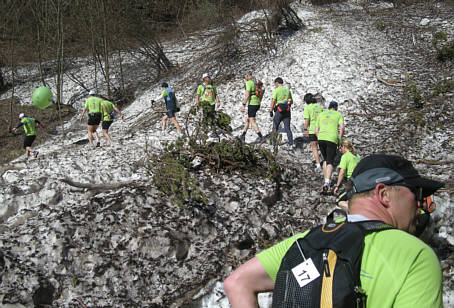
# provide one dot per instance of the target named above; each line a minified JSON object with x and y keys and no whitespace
{"x":297,"y":244}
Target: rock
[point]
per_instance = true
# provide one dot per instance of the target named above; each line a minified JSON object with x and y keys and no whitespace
{"x":424,"y":22}
{"x":11,"y":176}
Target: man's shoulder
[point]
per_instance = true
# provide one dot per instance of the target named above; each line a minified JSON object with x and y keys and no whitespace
{"x":395,"y":239}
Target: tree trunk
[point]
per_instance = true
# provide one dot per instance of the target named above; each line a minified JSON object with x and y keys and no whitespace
{"x":60,"y":61}
{"x":106,"y":48}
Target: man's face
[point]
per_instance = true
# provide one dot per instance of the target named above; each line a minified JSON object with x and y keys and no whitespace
{"x":207,"y":79}
{"x":404,"y":208}
{"x":247,"y":76}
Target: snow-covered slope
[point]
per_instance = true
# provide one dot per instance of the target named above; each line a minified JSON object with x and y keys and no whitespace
{"x":122,"y":247}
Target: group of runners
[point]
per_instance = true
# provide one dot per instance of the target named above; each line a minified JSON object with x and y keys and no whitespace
{"x":99,"y":109}
{"x":395,"y":265}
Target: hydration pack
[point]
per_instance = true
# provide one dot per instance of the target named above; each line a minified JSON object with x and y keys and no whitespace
{"x":284,"y":107}
{"x":171,"y":100}
{"x":259,"y":91}
{"x":323,"y":268}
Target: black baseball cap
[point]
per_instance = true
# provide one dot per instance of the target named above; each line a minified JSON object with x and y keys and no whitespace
{"x":389,"y":169}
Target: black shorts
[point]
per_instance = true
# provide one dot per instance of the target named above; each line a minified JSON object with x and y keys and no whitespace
{"x":313,"y":137}
{"x":94,"y":118}
{"x":170,"y":114}
{"x":252,"y":110}
{"x":328,"y":150}
{"x":106,"y":124}
{"x":28,"y":141}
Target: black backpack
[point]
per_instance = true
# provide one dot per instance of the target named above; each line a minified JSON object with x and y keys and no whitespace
{"x":335,"y":250}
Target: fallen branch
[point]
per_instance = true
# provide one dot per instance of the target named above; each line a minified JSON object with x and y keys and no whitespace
{"x":372,"y":115}
{"x":81,"y":303}
{"x":435,"y":162}
{"x":390,"y":82}
{"x":92,"y":186}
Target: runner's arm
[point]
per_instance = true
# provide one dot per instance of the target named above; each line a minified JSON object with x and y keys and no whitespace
{"x":159,"y":98}
{"x":243,"y":285}
{"x":341,"y":130}
{"x":197,"y":97}
{"x":246,"y":97}
{"x":40,"y":124}
{"x":218,"y":103}
{"x":83,"y":113}
{"x":273,"y":103}
{"x":119,"y":112}
{"x":339,"y":179}
{"x":18,"y":125}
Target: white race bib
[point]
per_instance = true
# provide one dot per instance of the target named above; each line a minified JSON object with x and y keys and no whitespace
{"x":305,"y":273}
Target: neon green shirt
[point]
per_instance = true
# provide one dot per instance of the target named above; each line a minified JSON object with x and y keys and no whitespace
{"x":397,"y":270}
{"x":328,"y":124}
{"x":281,"y":94}
{"x":29,"y":126}
{"x":93,"y":104}
{"x":110,"y":107}
{"x":349,"y":162}
{"x":254,"y":100}
{"x":311,"y":112}
{"x":209,"y":94}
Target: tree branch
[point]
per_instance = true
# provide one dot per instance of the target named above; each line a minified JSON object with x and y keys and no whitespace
{"x":92,"y":186}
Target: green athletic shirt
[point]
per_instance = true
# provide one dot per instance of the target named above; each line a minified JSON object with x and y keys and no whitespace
{"x":29,"y":126}
{"x":209,"y":94}
{"x":328,"y":124}
{"x":93,"y":104}
{"x":253,"y":99}
{"x":281,"y":94}
{"x":110,"y":107}
{"x":349,"y":162}
{"x":397,"y":270}
{"x":311,"y":112}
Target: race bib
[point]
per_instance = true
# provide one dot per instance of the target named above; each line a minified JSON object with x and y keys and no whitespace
{"x":305,"y":272}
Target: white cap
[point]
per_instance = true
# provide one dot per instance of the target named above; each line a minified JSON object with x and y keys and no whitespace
{"x":92,"y":92}
{"x":21,"y":115}
{"x":205,"y":76}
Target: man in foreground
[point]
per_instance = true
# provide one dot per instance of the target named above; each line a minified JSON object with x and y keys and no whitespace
{"x":395,"y":265}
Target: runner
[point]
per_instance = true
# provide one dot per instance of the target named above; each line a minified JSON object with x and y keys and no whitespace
{"x":348,"y":162}
{"x":171,"y":105}
{"x":207,"y":97}
{"x":253,"y":102}
{"x":329,"y":129}
{"x":395,"y":265}
{"x":30,"y":133}
{"x":95,"y":110}
{"x":108,"y":117}
{"x":311,"y":112}
{"x":280,"y":104}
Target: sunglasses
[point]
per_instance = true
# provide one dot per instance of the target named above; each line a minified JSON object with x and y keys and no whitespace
{"x":417,"y":191}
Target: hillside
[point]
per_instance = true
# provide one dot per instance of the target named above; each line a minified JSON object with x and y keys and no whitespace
{"x":66,"y":245}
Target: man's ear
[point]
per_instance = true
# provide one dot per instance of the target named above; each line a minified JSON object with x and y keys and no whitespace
{"x":382,"y":193}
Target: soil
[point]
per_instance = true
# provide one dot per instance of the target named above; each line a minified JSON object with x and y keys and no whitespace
{"x":11,"y":144}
